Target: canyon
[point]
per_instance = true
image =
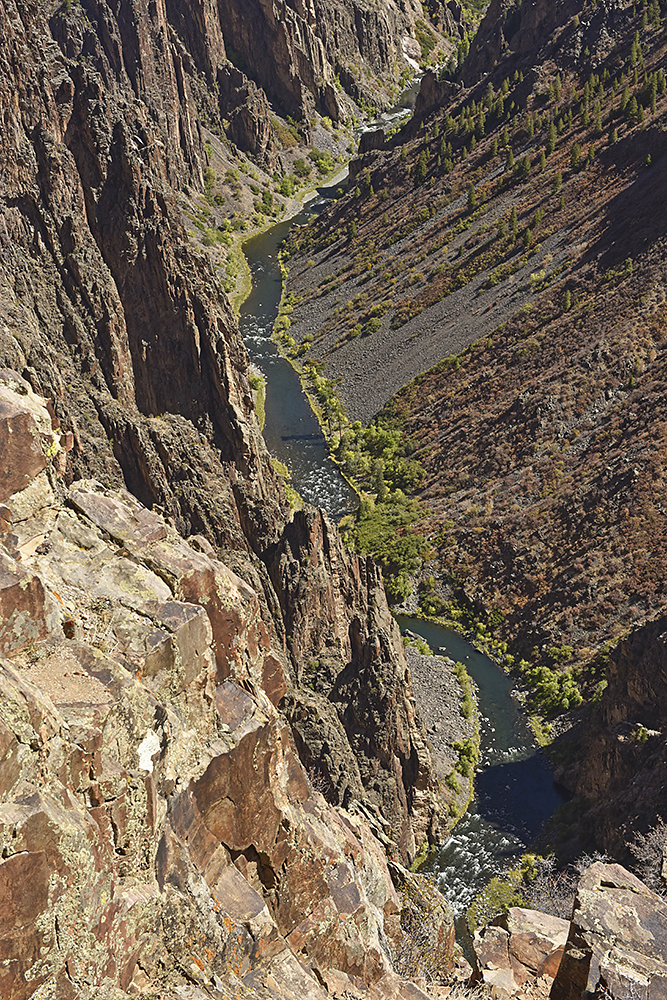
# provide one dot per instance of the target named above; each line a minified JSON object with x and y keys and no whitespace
{"x":214,"y":777}
{"x":492,"y":288}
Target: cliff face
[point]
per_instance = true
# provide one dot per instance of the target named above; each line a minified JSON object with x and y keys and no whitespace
{"x":615,"y":762}
{"x":106,"y":308}
{"x":307,"y":54}
{"x":158,"y":832}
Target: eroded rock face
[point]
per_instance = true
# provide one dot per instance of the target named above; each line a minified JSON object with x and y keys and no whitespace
{"x":616,"y":760}
{"x":105,"y":306}
{"x":306,"y":55}
{"x":157,"y":828}
{"x":346,"y":646}
{"x":617,"y":943}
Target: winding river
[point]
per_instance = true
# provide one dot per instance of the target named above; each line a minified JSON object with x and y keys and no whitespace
{"x":514,"y":790}
{"x":515,"y":793}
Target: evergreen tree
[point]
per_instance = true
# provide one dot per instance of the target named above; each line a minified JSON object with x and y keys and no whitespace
{"x":422,"y":168}
{"x":551,"y":138}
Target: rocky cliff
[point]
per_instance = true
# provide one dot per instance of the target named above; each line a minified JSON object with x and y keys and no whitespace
{"x":106,"y":308}
{"x":308,"y":56}
{"x":613,"y":945}
{"x":615,"y":761}
{"x":158,"y":833}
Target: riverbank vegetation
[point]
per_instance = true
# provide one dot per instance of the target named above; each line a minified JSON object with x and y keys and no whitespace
{"x":377,"y":460}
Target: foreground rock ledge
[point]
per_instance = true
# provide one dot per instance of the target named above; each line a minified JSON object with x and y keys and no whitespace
{"x":158,"y":833}
{"x":617,"y":942}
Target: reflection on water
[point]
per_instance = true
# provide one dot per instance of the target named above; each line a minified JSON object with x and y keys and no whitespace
{"x":514,"y":790}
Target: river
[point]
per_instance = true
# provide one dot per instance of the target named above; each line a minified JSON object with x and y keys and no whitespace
{"x":514,"y":790}
{"x":291,"y":431}
{"x":515,"y":793}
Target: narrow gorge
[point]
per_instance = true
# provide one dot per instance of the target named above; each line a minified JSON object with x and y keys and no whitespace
{"x":219,"y":761}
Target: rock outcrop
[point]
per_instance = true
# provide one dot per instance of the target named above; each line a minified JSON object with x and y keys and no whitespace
{"x":617,"y":942}
{"x":614,"y":946}
{"x":615,"y":761}
{"x":520,"y":947}
{"x":157,"y":829}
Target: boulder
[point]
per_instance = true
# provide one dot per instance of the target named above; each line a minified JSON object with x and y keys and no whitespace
{"x":27,"y":439}
{"x":617,"y":943}
{"x":522,"y":946}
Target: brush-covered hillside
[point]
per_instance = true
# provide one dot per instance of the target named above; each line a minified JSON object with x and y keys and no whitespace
{"x":494,"y":282}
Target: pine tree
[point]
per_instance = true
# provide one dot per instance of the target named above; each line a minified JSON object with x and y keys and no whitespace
{"x":551,"y":138}
{"x":422,"y":168}
{"x":625,"y":97}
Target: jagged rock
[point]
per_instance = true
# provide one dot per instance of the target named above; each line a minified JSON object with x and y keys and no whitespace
{"x":522,"y":946}
{"x":426,"y":946}
{"x":371,"y":141}
{"x":617,"y":944}
{"x":357,"y":663}
{"x":616,"y":761}
{"x":248,"y":113}
{"x":27,"y":439}
{"x":151,"y":795}
{"x":134,"y":340}
{"x":433,"y":94}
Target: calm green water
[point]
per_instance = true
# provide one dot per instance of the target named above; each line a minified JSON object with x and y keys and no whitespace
{"x":291,"y":431}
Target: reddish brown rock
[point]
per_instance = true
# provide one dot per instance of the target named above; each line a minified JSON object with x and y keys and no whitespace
{"x":142,"y":762}
{"x":22,"y":606}
{"x":521,"y":947}
{"x":617,"y":944}
{"x":27,"y":441}
{"x":536,"y":942}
